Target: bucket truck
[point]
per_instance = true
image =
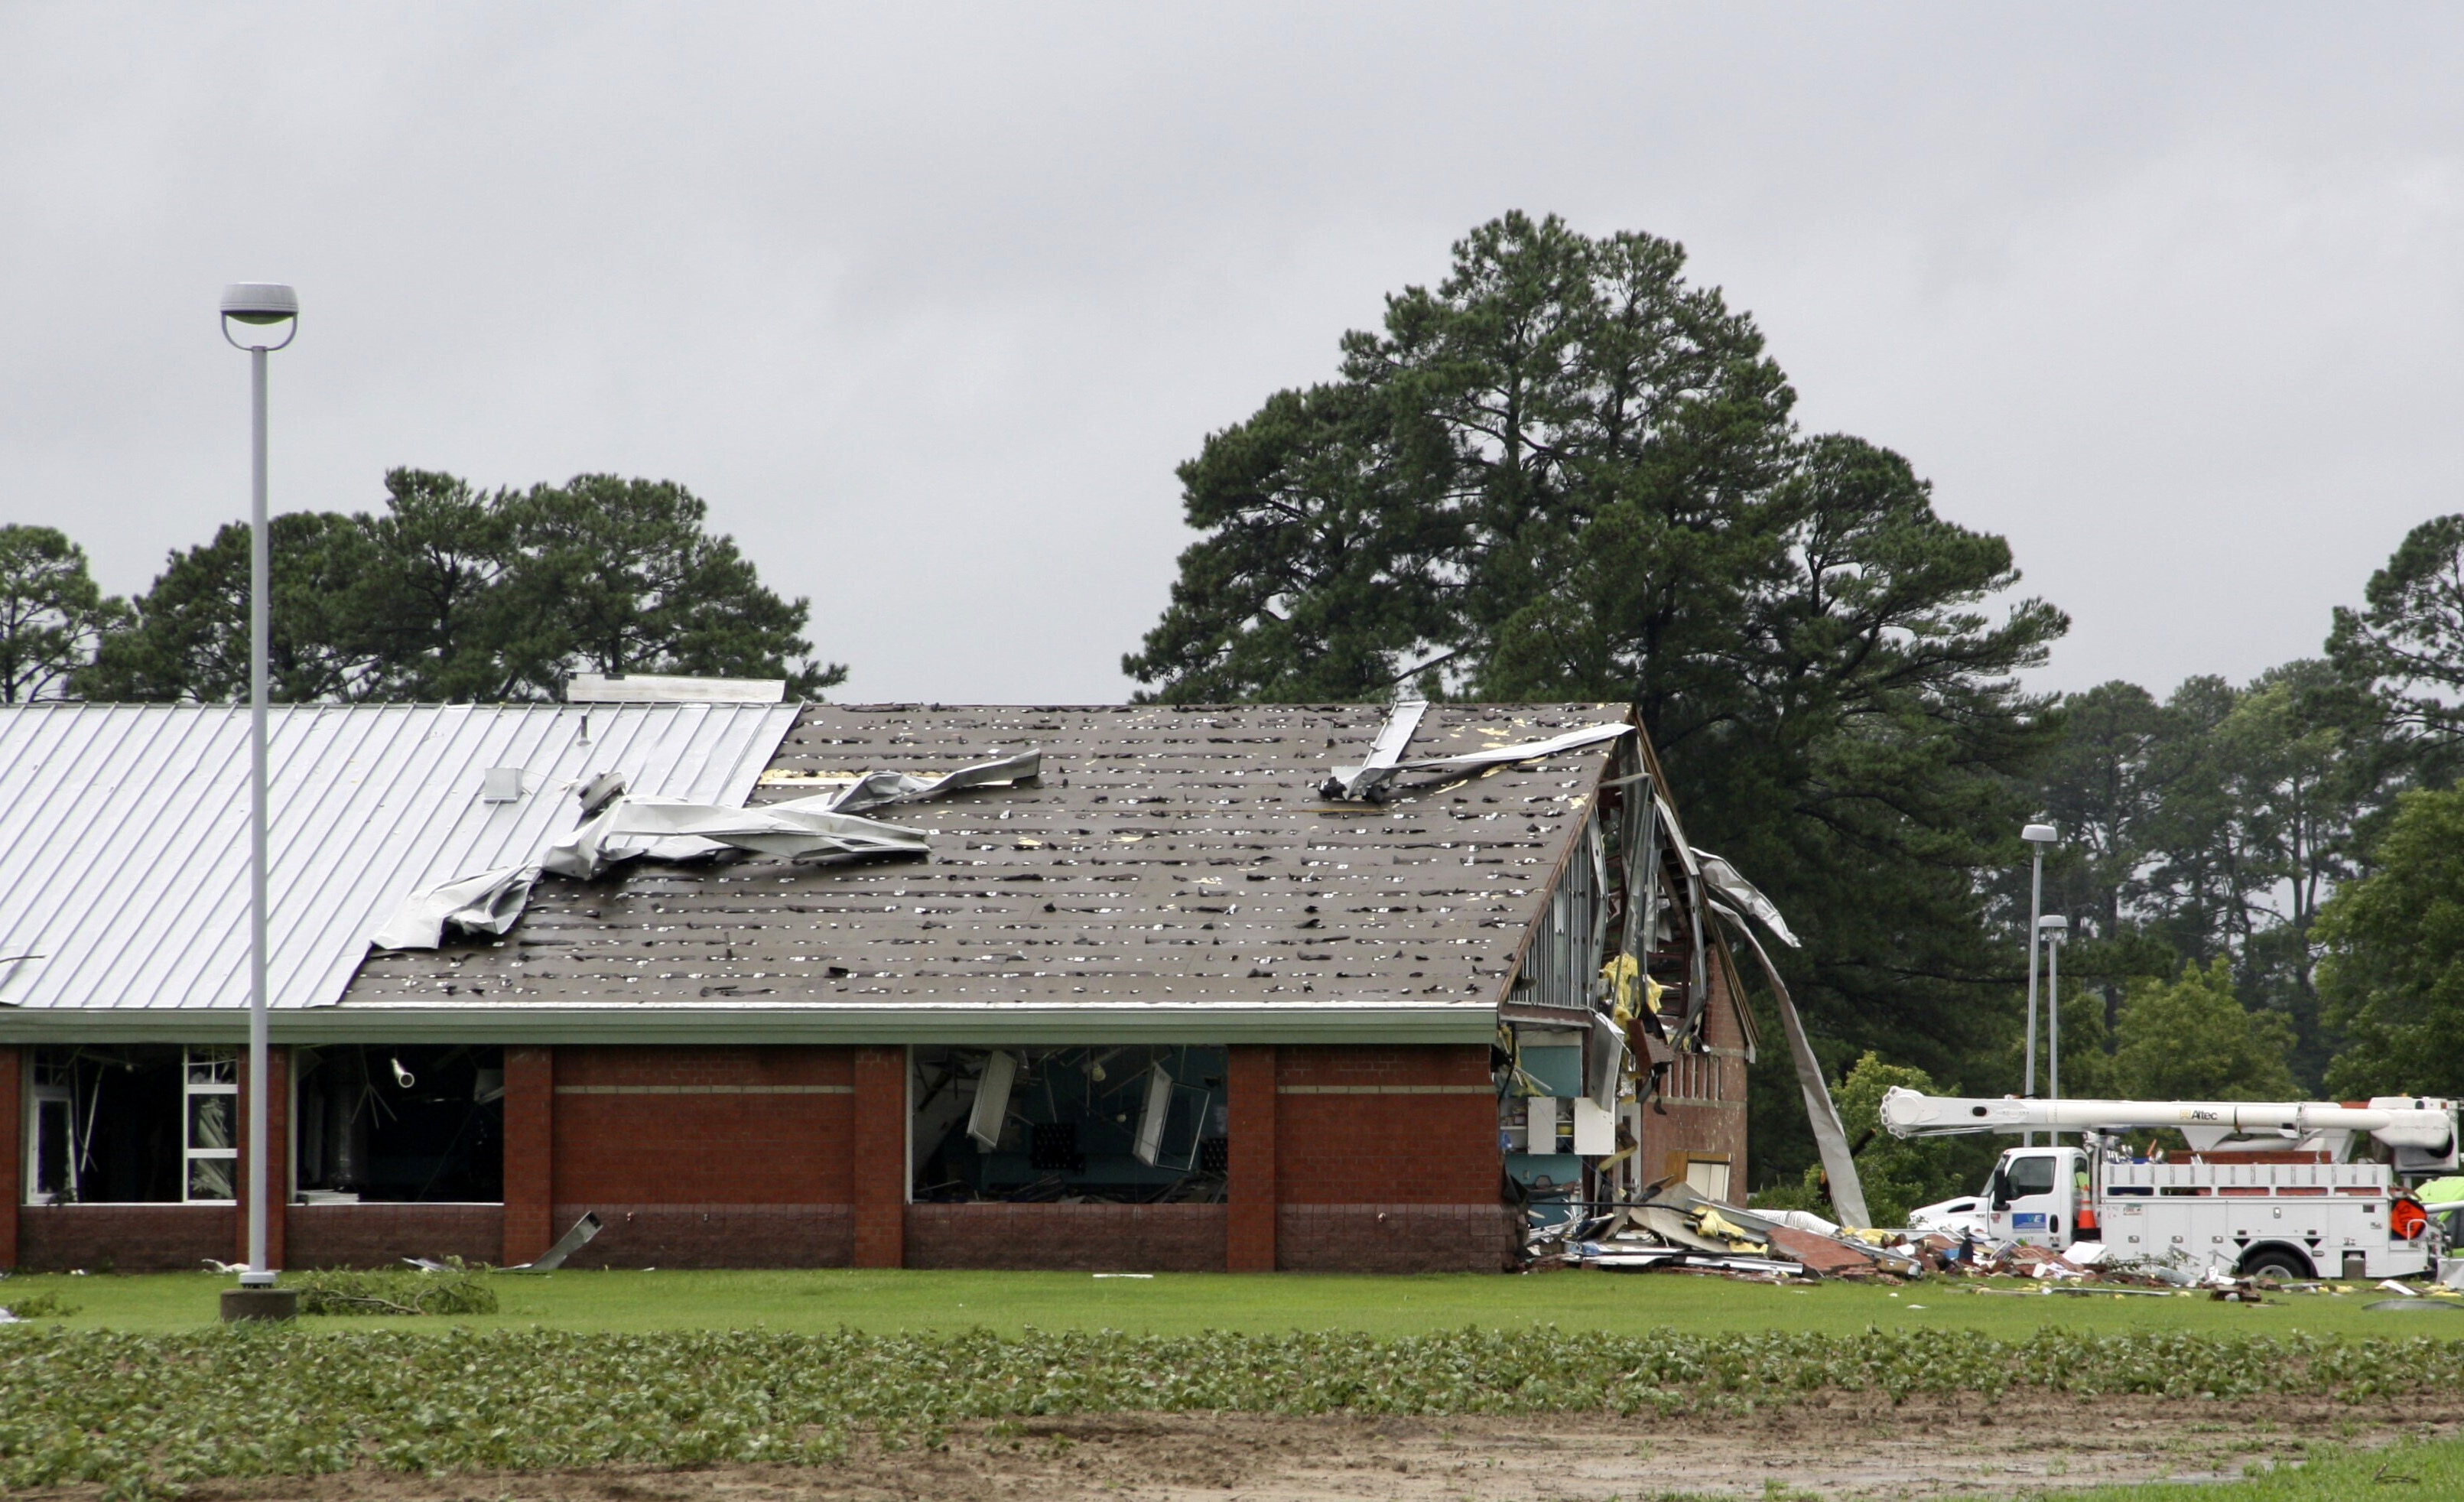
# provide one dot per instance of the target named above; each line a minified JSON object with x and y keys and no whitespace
{"x":2266,"y":1187}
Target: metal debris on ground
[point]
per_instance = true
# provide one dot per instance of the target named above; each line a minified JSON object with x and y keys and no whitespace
{"x":574,"y":1238}
{"x":1673,"y":1230}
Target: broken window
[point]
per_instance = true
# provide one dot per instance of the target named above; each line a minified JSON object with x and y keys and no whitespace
{"x":373,"y":1123}
{"x":146,"y":1124}
{"x":1130,"y":1124}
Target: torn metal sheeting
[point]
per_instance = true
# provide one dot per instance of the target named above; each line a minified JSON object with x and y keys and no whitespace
{"x":880,"y":789}
{"x":1621,"y":1259}
{"x":670,"y":828}
{"x":818,"y":827}
{"x":617,"y":827}
{"x":1723,"y":878}
{"x":1674,"y":1227}
{"x":490,"y":902}
{"x":1360,"y":782}
{"x":576,"y":1237}
{"x":1384,"y":754}
{"x":1830,"y":1136}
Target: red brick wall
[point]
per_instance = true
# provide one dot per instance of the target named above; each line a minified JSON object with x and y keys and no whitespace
{"x":13,"y":1152}
{"x":880,"y":1171}
{"x":1090,"y":1238}
{"x":1250,"y":1189}
{"x":1397,"y":1238}
{"x":1404,"y":1124}
{"x":277,"y":1166}
{"x":703,"y":1126}
{"x":530,"y":1121}
{"x":126,"y":1238}
{"x":382,"y":1235}
{"x":1717,"y":1131}
{"x":715,"y":1235}
{"x":1386,"y":1160}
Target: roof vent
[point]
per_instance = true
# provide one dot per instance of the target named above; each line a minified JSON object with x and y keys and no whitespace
{"x":501,"y":785}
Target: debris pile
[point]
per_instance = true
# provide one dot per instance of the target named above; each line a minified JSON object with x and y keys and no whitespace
{"x":1674,"y":1229}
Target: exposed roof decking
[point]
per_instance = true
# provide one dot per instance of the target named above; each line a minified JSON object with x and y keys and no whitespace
{"x":1185,"y":855}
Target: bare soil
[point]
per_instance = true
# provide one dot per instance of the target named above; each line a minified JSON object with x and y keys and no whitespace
{"x":1852,"y":1446}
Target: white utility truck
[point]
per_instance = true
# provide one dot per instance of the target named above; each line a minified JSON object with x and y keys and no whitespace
{"x":2266,"y":1187}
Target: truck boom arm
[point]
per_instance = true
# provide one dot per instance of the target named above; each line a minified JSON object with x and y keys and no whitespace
{"x":2397,"y":1120}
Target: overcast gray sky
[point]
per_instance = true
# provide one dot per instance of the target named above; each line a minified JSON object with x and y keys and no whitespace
{"x":927,"y":303}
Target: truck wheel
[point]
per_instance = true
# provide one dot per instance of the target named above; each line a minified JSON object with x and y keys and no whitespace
{"x":2285,"y":1262}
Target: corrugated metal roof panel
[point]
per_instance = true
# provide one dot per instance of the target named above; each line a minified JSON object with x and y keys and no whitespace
{"x":124,"y":828}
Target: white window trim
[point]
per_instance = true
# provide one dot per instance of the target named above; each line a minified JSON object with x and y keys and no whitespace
{"x":189,"y":1153}
{"x":33,"y":1126}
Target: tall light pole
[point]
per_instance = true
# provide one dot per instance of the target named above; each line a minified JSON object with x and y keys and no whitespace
{"x":2038,"y":835}
{"x":263,"y":309}
{"x":2054,"y":930}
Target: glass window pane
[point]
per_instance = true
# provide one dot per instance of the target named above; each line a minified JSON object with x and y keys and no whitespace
{"x":211,"y":1179}
{"x":213,"y":1066}
{"x":2032,"y":1176}
{"x":209,"y":1120}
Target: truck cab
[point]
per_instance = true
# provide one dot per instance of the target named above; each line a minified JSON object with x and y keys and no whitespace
{"x":2033,"y":1196}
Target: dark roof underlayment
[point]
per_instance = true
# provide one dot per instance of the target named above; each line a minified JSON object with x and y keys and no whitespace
{"x":1165,"y":855}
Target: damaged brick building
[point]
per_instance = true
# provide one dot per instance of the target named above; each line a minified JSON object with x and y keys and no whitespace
{"x":1321,"y":987}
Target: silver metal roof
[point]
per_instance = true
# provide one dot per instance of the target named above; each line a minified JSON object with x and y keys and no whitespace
{"x":124,"y":828}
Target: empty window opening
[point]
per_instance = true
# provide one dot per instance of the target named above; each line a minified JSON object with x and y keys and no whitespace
{"x":137,"y":1125}
{"x":1136,"y":1124}
{"x":373,"y":1123}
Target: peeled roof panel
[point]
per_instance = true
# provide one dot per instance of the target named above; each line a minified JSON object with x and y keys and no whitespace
{"x":125,"y":829}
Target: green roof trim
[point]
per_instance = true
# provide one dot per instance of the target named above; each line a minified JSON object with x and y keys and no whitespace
{"x":853,"y":1023}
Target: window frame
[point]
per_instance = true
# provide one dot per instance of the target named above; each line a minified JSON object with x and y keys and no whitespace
{"x":192,"y":1058}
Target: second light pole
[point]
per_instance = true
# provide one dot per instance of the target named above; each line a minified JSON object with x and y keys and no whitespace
{"x":2051,"y":931}
{"x":2038,"y":835}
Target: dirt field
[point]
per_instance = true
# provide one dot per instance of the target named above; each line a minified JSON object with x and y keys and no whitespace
{"x":1841,"y":1448}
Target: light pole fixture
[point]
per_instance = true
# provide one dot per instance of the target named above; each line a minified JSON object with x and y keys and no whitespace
{"x":2054,"y":930}
{"x":267,"y":315}
{"x":2037,"y":835}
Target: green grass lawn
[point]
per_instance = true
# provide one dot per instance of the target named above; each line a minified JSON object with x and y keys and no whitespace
{"x":1174,"y":1303}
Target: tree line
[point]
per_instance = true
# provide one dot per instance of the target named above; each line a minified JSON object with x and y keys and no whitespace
{"x":445,"y":594}
{"x":1566,"y":472}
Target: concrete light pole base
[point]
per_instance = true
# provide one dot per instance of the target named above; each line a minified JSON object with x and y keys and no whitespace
{"x":260,"y":1303}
